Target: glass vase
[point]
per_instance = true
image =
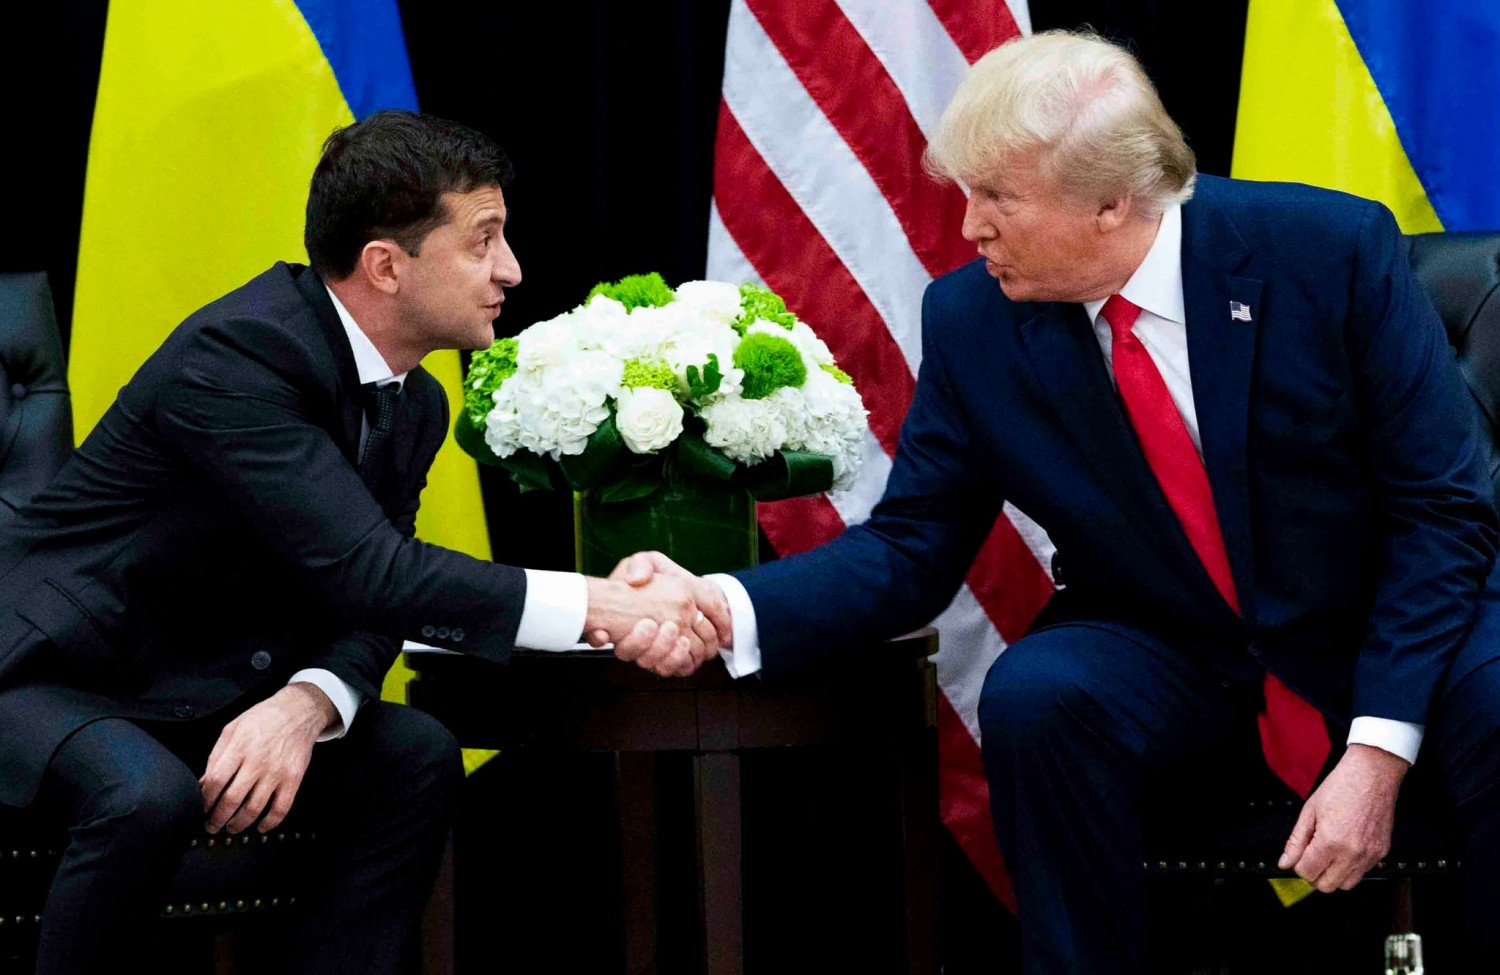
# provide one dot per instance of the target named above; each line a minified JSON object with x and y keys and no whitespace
{"x":702,"y":524}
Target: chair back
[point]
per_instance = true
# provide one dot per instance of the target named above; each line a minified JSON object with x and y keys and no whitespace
{"x":36,"y":414}
{"x":1461,"y":272}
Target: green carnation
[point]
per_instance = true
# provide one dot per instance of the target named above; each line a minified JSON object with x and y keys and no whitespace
{"x":640,"y":373}
{"x":839,"y":374}
{"x":770,"y":362}
{"x":487,"y":371}
{"x":636,"y":291}
{"x":758,"y":301}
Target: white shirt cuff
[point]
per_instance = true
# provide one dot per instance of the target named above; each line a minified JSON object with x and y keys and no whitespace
{"x":1400,"y":738}
{"x":557,"y":603}
{"x":345,"y":700}
{"x":744,"y":659}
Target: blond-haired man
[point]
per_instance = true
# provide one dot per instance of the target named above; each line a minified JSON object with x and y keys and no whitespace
{"x":1240,"y":421}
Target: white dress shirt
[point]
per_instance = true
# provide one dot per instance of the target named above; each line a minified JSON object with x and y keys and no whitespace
{"x":1156,"y":287}
{"x":556,"y":602}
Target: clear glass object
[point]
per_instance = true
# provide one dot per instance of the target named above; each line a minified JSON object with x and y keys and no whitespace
{"x":701,"y":524}
{"x":1403,"y":954}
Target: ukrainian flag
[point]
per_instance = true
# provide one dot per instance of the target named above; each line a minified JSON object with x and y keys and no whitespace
{"x":1394,"y":100}
{"x":207,"y":127}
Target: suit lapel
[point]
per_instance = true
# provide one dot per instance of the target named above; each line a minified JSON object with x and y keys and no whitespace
{"x":1221,"y":359}
{"x":1066,"y":359}
{"x":346,"y":392}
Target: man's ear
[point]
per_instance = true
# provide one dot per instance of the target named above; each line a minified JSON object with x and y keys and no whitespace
{"x":378,"y":263}
{"x":1112,"y":214}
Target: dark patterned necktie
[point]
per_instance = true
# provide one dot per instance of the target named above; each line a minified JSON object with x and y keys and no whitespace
{"x":381,"y":403}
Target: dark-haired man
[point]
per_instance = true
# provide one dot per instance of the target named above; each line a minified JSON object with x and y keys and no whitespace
{"x":222,"y":572}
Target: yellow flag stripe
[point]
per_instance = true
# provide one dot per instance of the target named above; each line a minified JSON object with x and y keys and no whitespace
{"x":206,"y":131}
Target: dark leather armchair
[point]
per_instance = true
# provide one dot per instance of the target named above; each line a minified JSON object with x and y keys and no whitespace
{"x":36,"y":416}
{"x":1461,"y":272}
{"x":249,"y":874}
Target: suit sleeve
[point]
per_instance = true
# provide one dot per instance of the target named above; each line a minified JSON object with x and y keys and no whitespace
{"x":238,"y":409}
{"x":898,"y":570}
{"x":1436,"y":518}
{"x":360,"y":658}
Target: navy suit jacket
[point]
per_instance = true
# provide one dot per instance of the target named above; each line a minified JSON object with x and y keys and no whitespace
{"x":212,"y":536}
{"x":1343,"y":454}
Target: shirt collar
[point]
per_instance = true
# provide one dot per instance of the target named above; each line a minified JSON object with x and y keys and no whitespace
{"x":1156,"y":286}
{"x":367,"y":359}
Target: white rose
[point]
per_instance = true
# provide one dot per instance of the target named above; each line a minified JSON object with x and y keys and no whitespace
{"x":648,"y":418}
{"x":718,"y":300}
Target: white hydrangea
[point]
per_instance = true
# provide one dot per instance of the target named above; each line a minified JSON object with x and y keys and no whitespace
{"x":569,"y":371}
{"x":649,"y":418}
{"x":747,"y":430}
{"x":836,"y":423}
{"x":558,"y":396}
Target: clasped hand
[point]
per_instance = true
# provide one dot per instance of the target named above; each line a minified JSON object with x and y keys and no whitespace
{"x":658,"y":615}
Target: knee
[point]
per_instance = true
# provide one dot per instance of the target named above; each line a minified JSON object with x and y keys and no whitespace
{"x":426,"y":751}
{"x":162,"y":806}
{"x":1030,"y":695}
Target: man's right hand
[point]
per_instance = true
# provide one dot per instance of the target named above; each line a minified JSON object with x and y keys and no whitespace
{"x":656,"y":624}
{"x":713,"y":623}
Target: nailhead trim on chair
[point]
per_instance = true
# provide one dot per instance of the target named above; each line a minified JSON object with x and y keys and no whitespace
{"x":203,"y":909}
{"x":1244,"y":867}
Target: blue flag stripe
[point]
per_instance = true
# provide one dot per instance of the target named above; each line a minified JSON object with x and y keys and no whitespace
{"x":1437,"y":66}
{"x":364,"y":45}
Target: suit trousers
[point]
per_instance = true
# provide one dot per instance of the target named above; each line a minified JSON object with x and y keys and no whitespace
{"x":1080,"y":721}
{"x":384,"y":796}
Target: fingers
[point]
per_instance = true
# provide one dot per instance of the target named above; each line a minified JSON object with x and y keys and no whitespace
{"x":708,"y":637}
{"x":250,"y":810}
{"x":281,"y":806}
{"x":229,"y":802}
{"x":1301,"y":835}
{"x":638,"y":641}
{"x":715,"y":608}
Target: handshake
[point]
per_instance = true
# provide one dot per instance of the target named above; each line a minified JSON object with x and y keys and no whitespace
{"x":658,"y":615}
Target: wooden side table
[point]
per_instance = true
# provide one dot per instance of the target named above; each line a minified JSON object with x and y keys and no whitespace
{"x":590,"y":701}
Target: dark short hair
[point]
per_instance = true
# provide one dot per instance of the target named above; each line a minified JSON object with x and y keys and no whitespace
{"x":384,"y":178}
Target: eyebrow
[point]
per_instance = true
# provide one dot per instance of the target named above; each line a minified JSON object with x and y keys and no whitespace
{"x":491,"y":218}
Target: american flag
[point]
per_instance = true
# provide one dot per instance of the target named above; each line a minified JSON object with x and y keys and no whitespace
{"x":819,"y":193}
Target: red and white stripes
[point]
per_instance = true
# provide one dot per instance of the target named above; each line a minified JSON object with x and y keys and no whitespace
{"x":819,"y":193}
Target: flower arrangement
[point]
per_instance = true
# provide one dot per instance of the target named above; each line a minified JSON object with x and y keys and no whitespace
{"x":711,"y":378}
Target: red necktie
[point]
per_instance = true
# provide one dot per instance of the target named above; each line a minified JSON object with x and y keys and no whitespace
{"x":1292,"y":733}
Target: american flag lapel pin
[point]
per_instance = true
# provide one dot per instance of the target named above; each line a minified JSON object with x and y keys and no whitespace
{"x":1239,"y":311}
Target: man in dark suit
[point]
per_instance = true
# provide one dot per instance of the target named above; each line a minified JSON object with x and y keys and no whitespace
{"x":1240,"y":421}
{"x":223,"y":571}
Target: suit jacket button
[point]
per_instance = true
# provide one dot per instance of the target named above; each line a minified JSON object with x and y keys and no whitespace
{"x":183,"y":711}
{"x":260,"y":660}
{"x":457,"y":634}
{"x":442,"y":633}
{"x":427,"y":632}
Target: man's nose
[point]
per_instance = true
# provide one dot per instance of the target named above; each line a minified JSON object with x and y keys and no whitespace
{"x":507,"y":270}
{"x":973,"y":229}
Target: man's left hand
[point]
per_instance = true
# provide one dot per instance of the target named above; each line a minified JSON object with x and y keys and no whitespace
{"x":258,"y":763}
{"x":1345,"y":826}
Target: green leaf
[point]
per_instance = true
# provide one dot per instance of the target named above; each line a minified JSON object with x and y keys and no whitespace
{"x":701,"y":386}
{"x":696,"y":456}
{"x":788,"y":474}
{"x":532,"y":471}
{"x":639,"y":483}
{"x":602,"y":457}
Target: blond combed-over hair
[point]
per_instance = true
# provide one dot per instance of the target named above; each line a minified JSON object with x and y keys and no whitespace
{"x":1083,"y":104}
